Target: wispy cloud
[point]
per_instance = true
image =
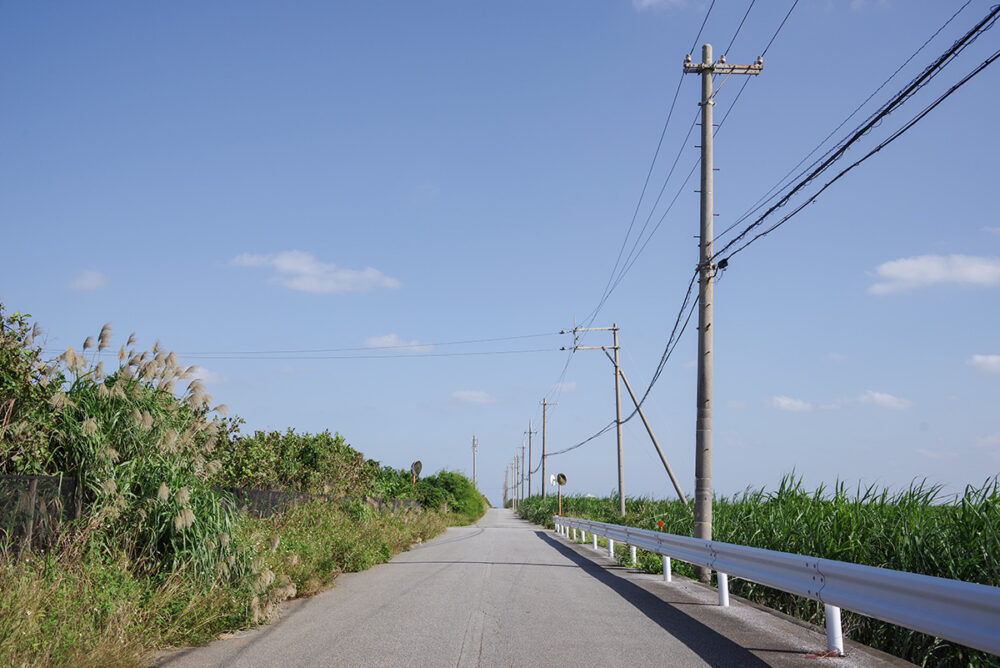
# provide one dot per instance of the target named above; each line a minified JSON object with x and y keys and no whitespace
{"x":473,"y":397}
{"x":990,"y":230}
{"x":645,"y":5}
{"x":987,"y":363}
{"x":89,"y":280}
{"x":566,"y":386}
{"x":208,"y":376}
{"x":883,"y":400}
{"x":861,"y":5}
{"x":938,"y":455}
{"x":839,"y":358}
{"x":989,"y":441}
{"x":394,"y":342}
{"x":298,"y":270}
{"x":790,"y":404}
{"x":925,"y":270}
{"x":293,"y":370}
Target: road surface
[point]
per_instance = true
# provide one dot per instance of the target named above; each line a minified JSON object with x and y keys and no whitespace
{"x":505,"y":592}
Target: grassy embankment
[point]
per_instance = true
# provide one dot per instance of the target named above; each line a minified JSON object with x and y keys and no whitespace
{"x":916,"y":530}
{"x":159,"y":559}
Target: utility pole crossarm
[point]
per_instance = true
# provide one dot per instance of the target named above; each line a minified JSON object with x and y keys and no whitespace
{"x":722,"y":68}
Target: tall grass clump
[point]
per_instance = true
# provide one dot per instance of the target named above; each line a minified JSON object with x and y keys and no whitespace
{"x":918,"y":530}
{"x":142,"y":454}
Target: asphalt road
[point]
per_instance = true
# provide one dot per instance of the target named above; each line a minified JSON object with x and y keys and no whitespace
{"x":507,"y":593}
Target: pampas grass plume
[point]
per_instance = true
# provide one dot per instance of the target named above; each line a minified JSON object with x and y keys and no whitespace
{"x":104,"y":338}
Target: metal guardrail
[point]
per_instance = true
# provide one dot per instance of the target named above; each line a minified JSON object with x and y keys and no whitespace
{"x":962,"y":612}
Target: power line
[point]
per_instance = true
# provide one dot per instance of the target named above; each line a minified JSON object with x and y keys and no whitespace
{"x":771,"y":194}
{"x":694,"y":44}
{"x":634,"y":254}
{"x":351,"y":357}
{"x":893,"y":137}
{"x":895,"y":102}
{"x":612,"y":280}
{"x":680,"y":325}
{"x":739,"y":28}
{"x":905,"y":94}
{"x":609,"y":288}
{"x":416,"y":346}
{"x":681,"y":322}
{"x":782,"y":25}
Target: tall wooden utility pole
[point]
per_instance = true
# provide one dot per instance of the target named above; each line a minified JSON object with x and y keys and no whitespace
{"x":475,"y":448}
{"x":618,"y":399}
{"x":530,"y":457}
{"x":545,"y":405}
{"x":706,"y":277}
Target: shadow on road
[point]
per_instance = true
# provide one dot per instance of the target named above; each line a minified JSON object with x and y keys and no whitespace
{"x":713,"y":647}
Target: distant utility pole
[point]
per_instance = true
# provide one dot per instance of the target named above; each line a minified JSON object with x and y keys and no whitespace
{"x":530,"y":456}
{"x":475,"y":447}
{"x":524,"y":471}
{"x":545,"y":405}
{"x":514,"y":480}
{"x":506,"y":478}
{"x":703,"y":428}
{"x":618,"y":399}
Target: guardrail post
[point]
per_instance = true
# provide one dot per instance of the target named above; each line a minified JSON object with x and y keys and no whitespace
{"x":594,"y":536}
{"x":834,"y":634}
{"x":583,"y":536}
{"x":667,"y":576}
{"x":631,"y":550}
{"x":723,"y":589}
{"x":574,"y":534}
{"x":611,"y":549}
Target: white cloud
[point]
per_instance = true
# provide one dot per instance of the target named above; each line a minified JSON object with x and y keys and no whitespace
{"x":298,"y":270}
{"x":883,"y":400}
{"x":989,"y":441}
{"x":293,"y":370}
{"x":208,"y":376}
{"x":924,"y":270}
{"x":643,"y":5}
{"x":790,"y":404}
{"x":862,"y":5}
{"x":567,"y":386}
{"x":938,"y":455}
{"x":473,"y":397}
{"x":990,"y":230}
{"x":987,"y":363}
{"x":89,"y":280}
{"x":395,"y":342}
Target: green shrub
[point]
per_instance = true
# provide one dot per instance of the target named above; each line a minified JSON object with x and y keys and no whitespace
{"x":27,"y":384}
{"x":453,"y":491}
{"x":315,"y":463}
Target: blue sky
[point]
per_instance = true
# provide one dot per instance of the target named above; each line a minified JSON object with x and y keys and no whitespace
{"x":236,"y":177}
